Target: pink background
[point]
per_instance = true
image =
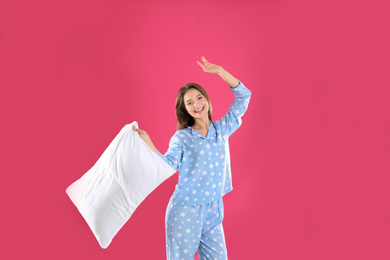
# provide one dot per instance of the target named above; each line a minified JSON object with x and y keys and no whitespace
{"x":310,"y":162}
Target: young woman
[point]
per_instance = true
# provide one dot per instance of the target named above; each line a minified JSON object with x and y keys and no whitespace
{"x":200,"y":151}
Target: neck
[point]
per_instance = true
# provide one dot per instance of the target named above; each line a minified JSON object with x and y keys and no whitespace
{"x":201,"y":124}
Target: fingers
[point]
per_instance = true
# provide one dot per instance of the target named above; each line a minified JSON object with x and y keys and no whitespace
{"x":205,"y":64}
{"x":200,"y":64}
{"x":205,"y":61}
{"x":139,"y":131}
{"x":136,"y":129}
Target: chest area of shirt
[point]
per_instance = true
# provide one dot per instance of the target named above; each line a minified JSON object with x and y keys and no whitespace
{"x":204,"y":148}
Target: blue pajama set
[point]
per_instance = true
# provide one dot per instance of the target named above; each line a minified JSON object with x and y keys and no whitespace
{"x":195,"y":211}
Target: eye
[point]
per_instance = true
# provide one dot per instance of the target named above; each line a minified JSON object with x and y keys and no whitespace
{"x":189,"y":103}
{"x":200,"y":97}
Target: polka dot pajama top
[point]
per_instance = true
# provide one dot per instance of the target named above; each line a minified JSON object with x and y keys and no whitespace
{"x":204,"y":162}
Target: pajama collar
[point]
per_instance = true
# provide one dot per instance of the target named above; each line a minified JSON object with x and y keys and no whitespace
{"x":210,"y":134}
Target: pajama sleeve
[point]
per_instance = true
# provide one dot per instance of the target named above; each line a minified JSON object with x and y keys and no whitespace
{"x":174,"y":154}
{"x":232,"y":120}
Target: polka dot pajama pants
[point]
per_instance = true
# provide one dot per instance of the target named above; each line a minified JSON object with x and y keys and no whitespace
{"x":195,"y":228}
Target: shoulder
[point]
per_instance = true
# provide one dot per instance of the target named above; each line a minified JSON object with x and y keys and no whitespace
{"x":220,"y":125}
{"x":184,"y":131}
{"x":181,"y":134}
{"x":216,"y":123}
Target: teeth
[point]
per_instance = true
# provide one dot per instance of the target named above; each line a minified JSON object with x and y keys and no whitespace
{"x":199,"y":110}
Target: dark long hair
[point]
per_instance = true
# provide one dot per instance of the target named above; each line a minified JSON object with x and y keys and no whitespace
{"x":183,"y":118}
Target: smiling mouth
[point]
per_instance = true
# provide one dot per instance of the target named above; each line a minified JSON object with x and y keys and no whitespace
{"x":200,"y":110}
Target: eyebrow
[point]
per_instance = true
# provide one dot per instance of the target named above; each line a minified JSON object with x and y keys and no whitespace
{"x":195,"y":97}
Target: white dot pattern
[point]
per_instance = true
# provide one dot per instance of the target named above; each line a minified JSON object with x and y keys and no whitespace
{"x":204,"y":162}
{"x":189,"y":229}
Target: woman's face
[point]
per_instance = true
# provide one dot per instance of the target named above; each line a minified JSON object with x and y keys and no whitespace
{"x":196,"y":104}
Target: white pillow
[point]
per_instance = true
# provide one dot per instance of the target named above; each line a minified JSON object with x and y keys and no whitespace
{"x":125,"y":174}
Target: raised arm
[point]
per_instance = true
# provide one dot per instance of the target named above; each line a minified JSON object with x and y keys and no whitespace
{"x":232,"y":120}
{"x":216,"y":69}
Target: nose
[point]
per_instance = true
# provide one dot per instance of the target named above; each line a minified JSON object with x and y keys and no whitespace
{"x":196,"y":105}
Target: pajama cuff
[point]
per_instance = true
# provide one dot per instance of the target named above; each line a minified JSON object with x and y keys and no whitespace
{"x":162,"y":156}
{"x":238,"y":87}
